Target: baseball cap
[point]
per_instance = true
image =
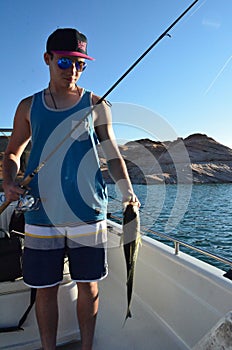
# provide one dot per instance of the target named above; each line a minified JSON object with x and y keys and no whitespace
{"x":68,"y":41}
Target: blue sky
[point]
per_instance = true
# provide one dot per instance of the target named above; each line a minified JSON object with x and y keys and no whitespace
{"x":185,"y":79}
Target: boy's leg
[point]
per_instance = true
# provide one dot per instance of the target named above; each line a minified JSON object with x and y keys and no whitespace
{"x":43,"y":263}
{"x":87,"y":308}
{"x":47,"y":316}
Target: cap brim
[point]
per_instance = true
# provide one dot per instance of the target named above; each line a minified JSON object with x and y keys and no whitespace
{"x":74,"y":53}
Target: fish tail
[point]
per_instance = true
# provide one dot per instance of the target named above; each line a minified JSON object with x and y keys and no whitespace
{"x":128,"y":315}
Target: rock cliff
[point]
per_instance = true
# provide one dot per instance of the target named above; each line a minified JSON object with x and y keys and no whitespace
{"x":195,"y":159}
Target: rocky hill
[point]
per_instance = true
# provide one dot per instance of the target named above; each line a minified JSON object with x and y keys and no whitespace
{"x":195,"y":159}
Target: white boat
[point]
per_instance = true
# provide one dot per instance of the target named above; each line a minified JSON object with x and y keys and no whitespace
{"x":179,"y":303}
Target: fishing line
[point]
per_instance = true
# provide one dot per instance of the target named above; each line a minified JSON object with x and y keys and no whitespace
{"x":165,"y":33}
{"x":145,"y":215}
{"x":194,"y":12}
{"x":218,"y":75}
{"x":163,"y":237}
{"x":29,"y":177}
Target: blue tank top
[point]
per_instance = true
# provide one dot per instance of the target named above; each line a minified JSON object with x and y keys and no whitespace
{"x":69,"y":188}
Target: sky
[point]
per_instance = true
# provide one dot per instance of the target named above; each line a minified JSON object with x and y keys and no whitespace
{"x":184,"y":83}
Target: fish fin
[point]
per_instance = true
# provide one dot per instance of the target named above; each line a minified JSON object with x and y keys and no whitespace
{"x":128,"y":315}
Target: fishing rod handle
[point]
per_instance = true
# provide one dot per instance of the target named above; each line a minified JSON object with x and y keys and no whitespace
{"x":23,"y":184}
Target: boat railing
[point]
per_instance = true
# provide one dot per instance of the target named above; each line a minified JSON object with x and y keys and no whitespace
{"x":7,"y":130}
{"x":178,"y":243}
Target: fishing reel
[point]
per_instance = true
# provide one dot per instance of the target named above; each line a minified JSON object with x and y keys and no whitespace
{"x":26,"y":203}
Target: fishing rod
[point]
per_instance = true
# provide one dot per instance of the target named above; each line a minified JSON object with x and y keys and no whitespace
{"x":29,"y":177}
{"x":165,"y":33}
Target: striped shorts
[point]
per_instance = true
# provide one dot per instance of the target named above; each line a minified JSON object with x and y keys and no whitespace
{"x":46,"y":247}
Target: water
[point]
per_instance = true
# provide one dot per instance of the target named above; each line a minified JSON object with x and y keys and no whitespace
{"x":199,"y":215}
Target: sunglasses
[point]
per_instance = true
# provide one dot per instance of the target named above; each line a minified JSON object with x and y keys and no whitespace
{"x":65,"y":63}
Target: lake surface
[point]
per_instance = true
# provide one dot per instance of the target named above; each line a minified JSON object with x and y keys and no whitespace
{"x":200,"y":215}
{"x":196,"y":214}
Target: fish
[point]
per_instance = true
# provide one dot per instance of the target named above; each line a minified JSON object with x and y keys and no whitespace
{"x":131,"y":239}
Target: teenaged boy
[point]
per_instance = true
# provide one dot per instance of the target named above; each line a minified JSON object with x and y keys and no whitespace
{"x":70,"y":217}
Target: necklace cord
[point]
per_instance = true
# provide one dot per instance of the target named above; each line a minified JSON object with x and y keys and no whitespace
{"x":53,"y":98}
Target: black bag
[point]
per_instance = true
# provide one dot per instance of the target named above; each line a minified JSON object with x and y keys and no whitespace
{"x":17,"y":223}
{"x":10,"y":262}
{"x":10,"y":257}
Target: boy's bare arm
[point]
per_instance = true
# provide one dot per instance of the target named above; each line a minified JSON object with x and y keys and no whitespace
{"x":116,"y":165}
{"x":18,"y":141}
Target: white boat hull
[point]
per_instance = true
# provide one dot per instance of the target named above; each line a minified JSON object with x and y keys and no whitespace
{"x":177,"y":301}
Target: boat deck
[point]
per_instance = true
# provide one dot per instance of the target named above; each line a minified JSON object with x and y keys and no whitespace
{"x":168,"y":312}
{"x":143,"y":331}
